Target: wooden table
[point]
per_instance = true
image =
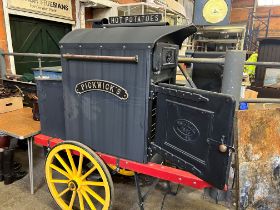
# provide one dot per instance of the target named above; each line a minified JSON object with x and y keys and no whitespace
{"x":20,"y":124}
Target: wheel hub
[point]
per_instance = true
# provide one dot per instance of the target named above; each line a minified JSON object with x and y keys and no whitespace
{"x":72,"y":185}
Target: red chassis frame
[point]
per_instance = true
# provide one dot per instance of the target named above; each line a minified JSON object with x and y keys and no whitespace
{"x":151,"y":169}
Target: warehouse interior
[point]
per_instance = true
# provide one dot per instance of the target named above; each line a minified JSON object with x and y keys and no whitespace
{"x":140,"y":104}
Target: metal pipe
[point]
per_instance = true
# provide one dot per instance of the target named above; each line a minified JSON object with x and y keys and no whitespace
{"x":78,"y":57}
{"x":259,"y":63}
{"x":260,"y":100}
{"x":135,"y":58}
{"x":268,"y":22}
{"x":37,"y":55}
{"x":2,"y":65}
{"x":191,"y":52}
{"x":132,"y":59}
{"x":233,"y":73}
{"x":201,"y":60}
{"x":222,"y":61}
{"x":186,"y":75}
{"x":40,"y":66}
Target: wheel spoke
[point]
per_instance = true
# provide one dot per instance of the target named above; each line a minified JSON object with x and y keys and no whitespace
{"x":88,"y":173}
{"x":91,"y":183}
{"x":95,"y":195}
{"x":70,"y":158}
{"x":80,"y":165}
{"x":72,"y":200}
{"x":59,"y":181}
{"x":88,"y":200}
{"x":81,"y":201}
{"x":60,"y":171}
{"x":63,"y":192}
{"x":62,"y":162}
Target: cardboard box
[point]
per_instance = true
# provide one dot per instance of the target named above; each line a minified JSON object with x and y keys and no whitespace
{"x":10,"y":104}
{"x":251,"y":94}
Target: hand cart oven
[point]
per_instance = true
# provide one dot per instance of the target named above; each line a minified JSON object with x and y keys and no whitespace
{"x":119,"y":105}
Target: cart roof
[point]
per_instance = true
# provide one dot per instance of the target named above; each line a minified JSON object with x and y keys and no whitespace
{"x":130,"y":35}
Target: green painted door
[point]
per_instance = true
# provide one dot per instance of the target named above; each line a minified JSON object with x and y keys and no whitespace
{"x":31,"y":35}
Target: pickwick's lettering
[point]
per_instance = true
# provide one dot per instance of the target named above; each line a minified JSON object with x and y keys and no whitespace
{"x":102,"y":85}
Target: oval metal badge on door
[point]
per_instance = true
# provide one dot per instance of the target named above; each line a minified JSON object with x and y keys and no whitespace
{"x":186,"y":130}
{"x":102,"y":85}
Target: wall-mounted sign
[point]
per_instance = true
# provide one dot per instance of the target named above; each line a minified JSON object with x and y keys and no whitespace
{"x":148,"y":18}
{"x":53,"y":8}
{"x":102,"y":85}
{"x":215,"y":11}
{"x":212,"y":12}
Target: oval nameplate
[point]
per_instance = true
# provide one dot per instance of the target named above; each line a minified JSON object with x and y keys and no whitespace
{"x":186,"y":130}
{"x":102,"y":85}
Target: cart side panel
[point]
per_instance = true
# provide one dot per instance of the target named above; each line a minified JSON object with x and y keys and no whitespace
{"x":99,"y":119}
{"x":51,"y":107}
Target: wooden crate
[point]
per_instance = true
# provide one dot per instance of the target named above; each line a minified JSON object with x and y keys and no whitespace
{"x":10,"y":104}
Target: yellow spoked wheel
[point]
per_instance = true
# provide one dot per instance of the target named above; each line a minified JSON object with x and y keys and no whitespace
{"x":122,"y":171}
{"x":78,"y":178}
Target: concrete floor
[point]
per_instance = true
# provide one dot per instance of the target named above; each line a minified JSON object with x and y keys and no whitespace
{"x":17,"y":195}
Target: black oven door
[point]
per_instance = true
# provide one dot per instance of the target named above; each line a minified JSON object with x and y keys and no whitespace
{"x":194,"y":131}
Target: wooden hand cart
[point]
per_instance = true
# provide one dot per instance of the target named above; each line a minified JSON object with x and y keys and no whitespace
{"x":119,"y":96}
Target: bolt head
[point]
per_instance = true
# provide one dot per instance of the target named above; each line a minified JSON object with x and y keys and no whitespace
{"x":222,"y":148}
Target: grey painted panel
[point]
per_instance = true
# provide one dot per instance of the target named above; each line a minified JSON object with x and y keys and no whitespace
{"x":101,"y":120}
{"x":51,"y":107}
{"x":130,"y":35}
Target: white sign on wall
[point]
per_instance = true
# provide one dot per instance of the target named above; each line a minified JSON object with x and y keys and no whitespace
{"x":53,"y":8}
